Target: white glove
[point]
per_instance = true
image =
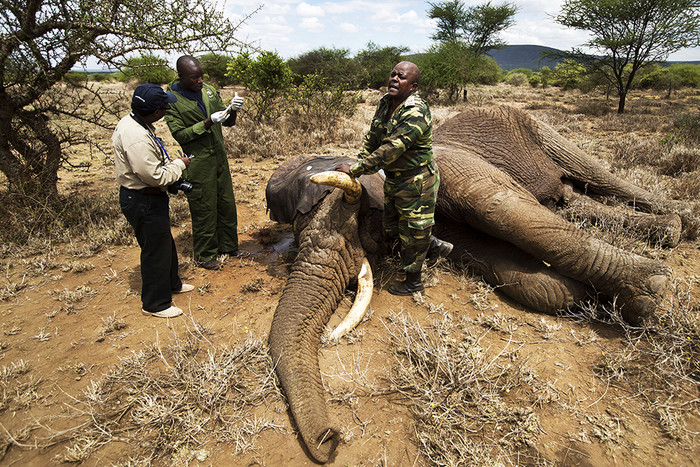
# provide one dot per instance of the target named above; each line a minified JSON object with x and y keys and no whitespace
{"x":220,"y":116}
{"x":236,"y":103}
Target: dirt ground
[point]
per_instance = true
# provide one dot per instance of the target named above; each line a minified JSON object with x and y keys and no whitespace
{"x":59,"y":337}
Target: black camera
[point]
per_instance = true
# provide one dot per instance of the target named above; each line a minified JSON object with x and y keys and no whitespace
{"x":181,"y":185}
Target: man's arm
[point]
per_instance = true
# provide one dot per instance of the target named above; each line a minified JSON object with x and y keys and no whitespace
{"x":145,"y":162}
{"x":413,"y":124}
{"x":179,"y":118}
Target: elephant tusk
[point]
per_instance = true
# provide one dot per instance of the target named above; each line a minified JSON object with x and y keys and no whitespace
{"x":365,"y":286}
{"x":345,"y":182}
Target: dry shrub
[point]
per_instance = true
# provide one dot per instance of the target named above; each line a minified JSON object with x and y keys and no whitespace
{"x":632,"y":151}
{"x":87,"y":217}
{"x":457,"y":393}
{"x":687,"y":186}
{"x":661,"y":362}
{"x":687,"y":127}
{"x":163,"y":401}
{"x":633,"y":121}
{"x":287,"y":139}
{"x":593,"y":108}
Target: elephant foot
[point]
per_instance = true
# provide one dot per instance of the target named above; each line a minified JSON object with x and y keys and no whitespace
{"x":640,"y":304}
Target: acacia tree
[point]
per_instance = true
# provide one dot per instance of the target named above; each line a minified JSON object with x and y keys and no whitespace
{"x":464,"y":36}
{"x":42,"y":40}
{"x":628,"y":34}
{"x":477,"y":26}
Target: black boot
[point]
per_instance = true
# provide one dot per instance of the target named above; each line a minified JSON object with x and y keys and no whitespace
{"x":438,"y":248}
{"x":411,"y":285}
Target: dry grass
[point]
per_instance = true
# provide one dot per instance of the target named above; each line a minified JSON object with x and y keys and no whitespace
{"x":458,"y":394}
{"x":168,"y":402}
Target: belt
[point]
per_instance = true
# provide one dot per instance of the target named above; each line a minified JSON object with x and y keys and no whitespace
{"x":407,"y":173}
{"x":151,"y":190}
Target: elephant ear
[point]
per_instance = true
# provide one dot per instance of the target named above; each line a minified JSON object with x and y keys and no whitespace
{"x":290,"y":191}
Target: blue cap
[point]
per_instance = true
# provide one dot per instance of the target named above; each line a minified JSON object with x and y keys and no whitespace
{"x":148,"y":97}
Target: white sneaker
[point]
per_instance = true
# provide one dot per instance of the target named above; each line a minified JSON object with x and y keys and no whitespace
{"x":171,"y":312}
{"x":185,"y":288}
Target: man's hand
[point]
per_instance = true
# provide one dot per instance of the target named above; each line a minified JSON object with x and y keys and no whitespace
{"x":220,"y":116}
{"x":186,"y":160}
{"x":236,"y":103}
{"x":344,"y":167}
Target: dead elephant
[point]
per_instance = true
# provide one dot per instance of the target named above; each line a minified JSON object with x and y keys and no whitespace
{"x":500,"y":169}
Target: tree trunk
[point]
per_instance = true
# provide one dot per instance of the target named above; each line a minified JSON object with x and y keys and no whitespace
{"x":621,"y":103}
{"x":30,"y":161}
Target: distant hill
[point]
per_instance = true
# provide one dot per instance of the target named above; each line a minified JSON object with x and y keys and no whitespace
{"x":522,"y":56}
{"x":528,"y":56}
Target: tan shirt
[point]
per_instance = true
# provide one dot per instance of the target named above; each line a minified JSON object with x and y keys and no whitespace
{"x":139,"y":161}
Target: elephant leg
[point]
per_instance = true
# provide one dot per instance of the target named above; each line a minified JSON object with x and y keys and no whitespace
{"x":661,"y":229}
{"x":514,"y":272}
{"x":589,"y":174}
{"x":479,"y":194}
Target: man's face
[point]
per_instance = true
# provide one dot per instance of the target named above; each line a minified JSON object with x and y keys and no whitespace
{"x":192,"y":78}
{"x":402,"y":81}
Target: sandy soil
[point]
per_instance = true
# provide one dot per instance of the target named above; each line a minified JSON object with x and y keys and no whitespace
{"x":56,"y":323}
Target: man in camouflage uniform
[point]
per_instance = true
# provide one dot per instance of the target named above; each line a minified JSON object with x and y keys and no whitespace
{"x":400,"y":142}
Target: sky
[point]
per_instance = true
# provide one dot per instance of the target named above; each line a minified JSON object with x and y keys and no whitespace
{"x":291,"y":28}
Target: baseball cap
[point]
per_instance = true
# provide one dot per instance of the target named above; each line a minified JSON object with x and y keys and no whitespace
{"x":149,"y":97}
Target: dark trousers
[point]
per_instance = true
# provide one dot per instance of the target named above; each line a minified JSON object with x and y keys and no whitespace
{"x":149,"y":215}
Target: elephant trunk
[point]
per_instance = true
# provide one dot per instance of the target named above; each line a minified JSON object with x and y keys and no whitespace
{"x":330,"y":256}
{"x":294,"y":342}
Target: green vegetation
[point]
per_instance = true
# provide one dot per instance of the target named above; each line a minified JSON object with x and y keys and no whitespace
{"x":333,"y":64}
{"x":267,"y":77}
{"x":215,"y":67}
{"x":376,"y":61}
{"x":629,"y":34}
{"x":147,"y":69}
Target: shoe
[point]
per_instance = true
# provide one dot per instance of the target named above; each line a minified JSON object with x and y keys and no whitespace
{"x":185,"y":288}
{"x":411,"y":285}
{"x":211,"y":264}
{"x":439,"y":248}
{"x":171,"y":312}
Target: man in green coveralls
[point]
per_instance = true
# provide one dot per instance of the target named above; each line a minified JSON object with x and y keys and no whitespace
{"x":400,"y":142}
{"x":195,"y":122}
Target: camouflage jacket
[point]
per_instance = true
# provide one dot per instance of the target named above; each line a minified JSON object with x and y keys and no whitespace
{"x":400,"y":142}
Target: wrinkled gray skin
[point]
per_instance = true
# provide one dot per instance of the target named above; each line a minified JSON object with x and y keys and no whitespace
{"x":333,"y":238}
{"x":500,"y":171}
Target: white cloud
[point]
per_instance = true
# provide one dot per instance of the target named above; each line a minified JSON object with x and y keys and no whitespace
{"x":309,"y":11}
{"x":312,"y":24}
{"x":348,"y":28}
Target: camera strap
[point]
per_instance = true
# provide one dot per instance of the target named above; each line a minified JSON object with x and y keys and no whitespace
{"x":158,"y":140}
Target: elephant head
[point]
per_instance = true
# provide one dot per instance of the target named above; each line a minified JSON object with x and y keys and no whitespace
{"x":338,"y":233}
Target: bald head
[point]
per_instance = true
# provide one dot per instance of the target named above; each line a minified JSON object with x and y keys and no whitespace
{"x":186,"y":61}
{"x":403,"y":81}
{"x":413,"y":69}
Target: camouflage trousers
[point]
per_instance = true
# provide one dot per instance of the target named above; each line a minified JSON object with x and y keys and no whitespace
{"x":409,"y":215}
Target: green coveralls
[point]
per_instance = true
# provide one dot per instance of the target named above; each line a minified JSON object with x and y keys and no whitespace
{"x":402,"y":145}
{"x":212,"y":202}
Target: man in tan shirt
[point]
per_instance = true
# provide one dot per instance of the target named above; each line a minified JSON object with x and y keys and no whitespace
{"x":144,"y":171}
